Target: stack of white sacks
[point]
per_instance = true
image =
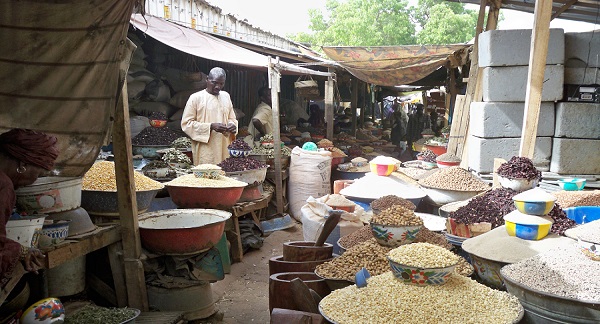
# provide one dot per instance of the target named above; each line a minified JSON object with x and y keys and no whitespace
{"x":154,"y":87}
{"x":496,"y":123}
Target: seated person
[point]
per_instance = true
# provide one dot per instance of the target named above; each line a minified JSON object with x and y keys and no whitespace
{"x":262,"y":119}
{"x":317,"y":116}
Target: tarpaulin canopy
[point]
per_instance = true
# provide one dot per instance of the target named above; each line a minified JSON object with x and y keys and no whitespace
{"x":198,"y":43}
{"x":59,"y":72}
{"x":395,"y":65}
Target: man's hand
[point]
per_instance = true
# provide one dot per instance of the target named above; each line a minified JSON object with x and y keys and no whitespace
{"x":218,"y":127}
{"x":33,"y":260}
{"x":231,"y":127}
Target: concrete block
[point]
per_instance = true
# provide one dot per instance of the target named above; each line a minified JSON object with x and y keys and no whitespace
{"x":505,"y":119}
{"x":508,"y":83}
{"x":582,"y":49}
{"x":578,"y":120}
{"x":575,"y":156}
{"x":582,"y":75}
{"x":482,"y":152}
{"x":511,"y":47}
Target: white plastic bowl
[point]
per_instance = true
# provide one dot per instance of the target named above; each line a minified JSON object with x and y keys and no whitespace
{"x":518,"y":185}
{"x":441,"y":197}
{"x":25,"y":230}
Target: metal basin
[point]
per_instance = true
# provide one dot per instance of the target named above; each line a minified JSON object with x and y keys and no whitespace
{"x":541,"y":307}
{"x":441,"y":197}
{"x":251,"y":177}
{"x":148,"y":151}
{"x":105,"y":203}
{"x":80,"y":221}
{"x":488,"y":271}
{"x":194,"y":197}
{"x":182,"y":231}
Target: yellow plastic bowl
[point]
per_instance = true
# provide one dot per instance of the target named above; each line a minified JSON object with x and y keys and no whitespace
{"x":382,"y":169}
{"x":528,"y":231}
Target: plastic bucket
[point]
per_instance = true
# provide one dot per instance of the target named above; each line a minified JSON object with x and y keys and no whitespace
{"x":50,"y":195}
{"x":25,"y":230}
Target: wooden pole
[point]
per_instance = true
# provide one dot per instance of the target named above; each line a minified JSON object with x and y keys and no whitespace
{"x":274,"y":79}
{"x":460,"y":117}
{"x":329,"y":87}
{"x":535,"y":76}
{"x":128,"y":211}
{"x":363,"y":107}
{"x":354,"y":103}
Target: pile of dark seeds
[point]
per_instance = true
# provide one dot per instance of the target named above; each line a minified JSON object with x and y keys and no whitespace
{"x":561,"y":221}
{"x":490,"y":207}
{"x":155,"y":136}
{"x":232,"y":164}
{"x":519,"y":168}
{"x":428,"y":156}
{"x":157,"y":115}
{"x":239,"y":144}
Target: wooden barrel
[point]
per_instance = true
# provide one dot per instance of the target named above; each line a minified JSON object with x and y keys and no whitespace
{"x":278,"y":265}
{"x":298,"y":251}
{"x":281,"y":294}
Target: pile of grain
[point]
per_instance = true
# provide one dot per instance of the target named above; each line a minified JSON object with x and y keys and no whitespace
{"x":568,"y":199}
{"x":388,"y":201}
{"x":369,"y":255}
{"x":454,"y":178}
{"x":101,"y":177}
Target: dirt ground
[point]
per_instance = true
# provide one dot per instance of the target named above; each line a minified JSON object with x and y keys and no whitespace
{"x":243,"y":296}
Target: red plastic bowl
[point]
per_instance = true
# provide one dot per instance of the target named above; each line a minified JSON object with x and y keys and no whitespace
{"x":182,"y":231}
{"x":217,"y":198}
{"x":438,"y":150}
{"x":157,"y":123}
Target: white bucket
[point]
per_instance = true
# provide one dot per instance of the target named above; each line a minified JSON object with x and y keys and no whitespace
{"x":50,"y":195}
{"x":26,"y":230}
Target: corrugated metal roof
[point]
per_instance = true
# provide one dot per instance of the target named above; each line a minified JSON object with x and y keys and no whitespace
{"x":577,"y":10}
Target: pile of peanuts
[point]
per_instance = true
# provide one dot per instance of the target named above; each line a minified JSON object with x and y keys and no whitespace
{"x":387,"y":300}
{"x":423,"y":255}
{"x":369,"y":255}
{"x":356,"y":237}
{"x":101,"y":177}
{"x":388,"y":201}
{"x":427,"y":236}
{"x":397,"y":216}
{"x":454,"y":178}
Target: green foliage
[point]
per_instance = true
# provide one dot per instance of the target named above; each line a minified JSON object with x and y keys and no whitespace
{"x":389,"y":22}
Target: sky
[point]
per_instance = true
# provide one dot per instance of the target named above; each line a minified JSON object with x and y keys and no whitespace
{"x":284,"y":17}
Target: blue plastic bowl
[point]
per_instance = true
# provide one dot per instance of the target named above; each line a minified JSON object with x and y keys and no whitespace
{"x":583,"y":214}
{"x":361,"y":277}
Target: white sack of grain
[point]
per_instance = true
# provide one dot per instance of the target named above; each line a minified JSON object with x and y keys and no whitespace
{"x":310,"y":174}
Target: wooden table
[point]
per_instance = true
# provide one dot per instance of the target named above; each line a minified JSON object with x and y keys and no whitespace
{"x":257,"y":209}
{"x":71,"y":249}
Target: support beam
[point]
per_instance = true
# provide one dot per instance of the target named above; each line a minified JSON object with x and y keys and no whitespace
{"x":274,"y":84}
{"x":128,"y":211}
{"x":535,"y":76}
{"x":329,"y":88}
{"x":563,"y":9}
{"x":354,"y":103}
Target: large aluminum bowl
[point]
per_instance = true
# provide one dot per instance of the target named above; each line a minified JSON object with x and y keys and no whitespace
{"x":105,"y":203}
{"x":182,"y":231}
{"x":441,"y":196}
{"x":195,"y":197}
{"x":251,"y":177}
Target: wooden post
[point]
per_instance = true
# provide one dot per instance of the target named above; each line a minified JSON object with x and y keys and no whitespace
{"x":460,"y":116}
{"x":535,"y":76}
{"x":132,"y":249}
{"x":329,"y":87}
{"x":274,"y":79}
{"x":363,"y":107}
{"x":354,"y":103}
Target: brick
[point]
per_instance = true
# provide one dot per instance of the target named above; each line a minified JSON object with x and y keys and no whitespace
{"x":582,"y":49}
{"x":578,"y":120}
{"x":482,"y":152}
{"x":508,"y":83}
{"x":511,"y":47}
{"x":505,"y":119}
{"x":575,"y":156}
{"x":582,"y":75}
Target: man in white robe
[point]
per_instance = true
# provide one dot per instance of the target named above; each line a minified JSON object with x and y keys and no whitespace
{"x":262,"y":120}
{"x":209,"y":120}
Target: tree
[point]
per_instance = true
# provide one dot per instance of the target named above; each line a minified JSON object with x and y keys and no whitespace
{"x":389,"y":22}
{"x":361,"y":23}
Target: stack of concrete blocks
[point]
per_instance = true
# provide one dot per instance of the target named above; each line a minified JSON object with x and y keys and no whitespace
{"x":495,"y":124}
{"x":576,"y":145}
